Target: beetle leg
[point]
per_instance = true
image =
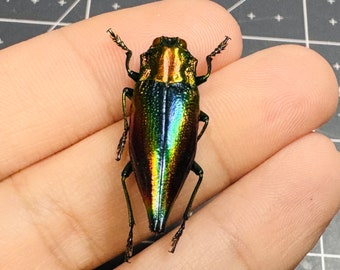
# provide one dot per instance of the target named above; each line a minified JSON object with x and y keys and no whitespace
{"x":127,"y":92}
{"x":209,"y":58}
{"x":132,"y":74}
{"x":204,"y":118}
{"x":129,"y":243}
{"x":199,"y":172}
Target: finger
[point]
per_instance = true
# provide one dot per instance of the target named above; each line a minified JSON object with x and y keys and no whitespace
{"x":64,"y":209}
{"x":62,"y":86}
{"x":267,"y":220}
{"x":84,"y":179}
{"x":263,"y":102}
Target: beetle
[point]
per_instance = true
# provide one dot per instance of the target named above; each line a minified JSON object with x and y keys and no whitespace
{"x":163,"y":129}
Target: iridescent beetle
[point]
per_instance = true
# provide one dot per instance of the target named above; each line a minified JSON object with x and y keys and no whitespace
{"x":163,"y":128}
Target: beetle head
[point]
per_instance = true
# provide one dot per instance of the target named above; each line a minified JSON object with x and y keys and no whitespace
{"x":169,"y":42}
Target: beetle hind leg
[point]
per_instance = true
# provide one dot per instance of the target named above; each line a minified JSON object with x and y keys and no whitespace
{"x":129,"y":243}
{"x":199,"y":172}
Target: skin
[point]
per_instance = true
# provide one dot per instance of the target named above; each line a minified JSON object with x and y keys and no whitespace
{"x":61,"y":200}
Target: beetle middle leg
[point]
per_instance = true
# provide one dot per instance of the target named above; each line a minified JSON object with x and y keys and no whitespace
{"x":127,"y":92}
{"x":199,"y":172}
{"x":129,"y":243}
{"x":203,"y":117}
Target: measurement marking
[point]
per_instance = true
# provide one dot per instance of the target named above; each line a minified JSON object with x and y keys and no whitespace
{"x":335,"y":256}
{"x":333,"y":21}
{"x":236,"y":5}
{"x":116,"y":6}
{"x":62,"y":2}
{"x":30,"y":21}
{"x":63,"y":16}
{"x":305,"y":22}
{"x":87,"y":9}
{"x":336,"y":66}
{"x":251,"y":15}
{"x":292,"y":40}
{"x":279,"y":18}
{"x":322,"y":253}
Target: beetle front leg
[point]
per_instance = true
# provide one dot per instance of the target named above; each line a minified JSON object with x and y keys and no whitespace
{"x":199,"y":172}
{"x":209,"y":58}
{"x":129,"y":243}
{"x":203,"y":117}
{"x":127,"y":92}
{"x":132,"y":74}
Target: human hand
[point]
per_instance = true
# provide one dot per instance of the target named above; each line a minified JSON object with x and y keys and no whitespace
{"x":61,"y":200}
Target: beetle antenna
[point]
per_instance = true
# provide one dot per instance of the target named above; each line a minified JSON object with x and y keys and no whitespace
{"x":220,"y":47}
{"x":117,"y":39}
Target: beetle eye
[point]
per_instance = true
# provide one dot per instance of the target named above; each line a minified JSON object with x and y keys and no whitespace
{"x":182,"y":43}
{"x":156,"y":41}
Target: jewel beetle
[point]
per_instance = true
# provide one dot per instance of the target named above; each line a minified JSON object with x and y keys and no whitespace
{"x":163,"y":128}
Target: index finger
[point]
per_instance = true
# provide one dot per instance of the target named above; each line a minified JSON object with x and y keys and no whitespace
{"x":65,"y":85}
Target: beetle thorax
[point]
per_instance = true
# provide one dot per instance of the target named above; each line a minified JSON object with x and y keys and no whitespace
{"x":169,"y":65}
